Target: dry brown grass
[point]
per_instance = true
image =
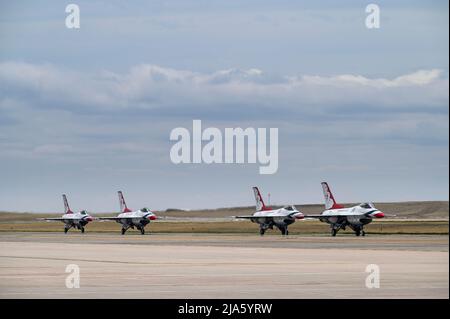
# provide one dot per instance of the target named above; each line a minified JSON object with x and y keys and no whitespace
{"x":433,"y":219}
{"x":410,"y":210}
{"x":301,"y":227}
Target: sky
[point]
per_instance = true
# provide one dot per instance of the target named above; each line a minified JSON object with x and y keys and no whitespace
{"x":89,"y":111}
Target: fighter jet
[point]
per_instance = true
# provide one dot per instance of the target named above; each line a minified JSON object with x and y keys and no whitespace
{"x":339,"y":217}
{"x":130,"y":219}
{"x":71,"y":219}
{"x":267,"y":217}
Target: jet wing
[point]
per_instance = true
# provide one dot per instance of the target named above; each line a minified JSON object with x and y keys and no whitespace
{"x":256,"y":217}
{"x":120,"y":218}
{"x":55,"y":218}
{"x":262,"y":217}
{"x":314,"y":216}
{"x":343,"y":215}
{"x":326,"y":217}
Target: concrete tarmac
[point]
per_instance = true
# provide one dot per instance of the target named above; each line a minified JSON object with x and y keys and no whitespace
{"x":222,"y":266}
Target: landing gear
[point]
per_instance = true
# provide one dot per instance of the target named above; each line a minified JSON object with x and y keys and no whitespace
{"x":142,"y":230}
{"x":123,"y":231}
{"x":264,"y":227}
{"x":337,"y":226}
{"x":360,"y":231}
{"x":82,"y":229}
{"x":67,"y":227}
{"x":284,"y":230}
{"x":342,"y":224}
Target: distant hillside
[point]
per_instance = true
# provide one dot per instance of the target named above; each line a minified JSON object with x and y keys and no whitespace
{"x":410,"y":210}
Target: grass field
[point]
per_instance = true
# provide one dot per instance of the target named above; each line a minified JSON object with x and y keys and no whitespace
{"x":411,"y":218}
{"x":402,"y":210}
{"x":300,"y":227}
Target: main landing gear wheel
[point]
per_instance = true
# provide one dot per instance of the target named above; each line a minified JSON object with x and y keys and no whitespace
{"x":123,"y":231}
{"x":262,"y":231}
{"x":66,"y":230}
{"x":363,"y":233}
{"x":358,"y":232}
{"x":82,"y":230}
{"x":333,"y":232}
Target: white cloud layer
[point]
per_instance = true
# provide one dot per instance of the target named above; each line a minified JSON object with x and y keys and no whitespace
{"x":149,"y":87}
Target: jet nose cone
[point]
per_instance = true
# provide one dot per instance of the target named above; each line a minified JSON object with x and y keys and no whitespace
{"x":89,"y":219}
{"x":299,"y":216}
{"x":152,"y":217}
{"x":379,"y":215}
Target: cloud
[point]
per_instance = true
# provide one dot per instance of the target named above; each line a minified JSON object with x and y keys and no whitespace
{"x":150,"y":87}
{"x":418,"y":78}
{"x":92,"y":107}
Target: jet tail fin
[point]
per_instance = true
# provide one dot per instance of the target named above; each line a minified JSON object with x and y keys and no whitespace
{"x":123,"y":205}
{"x":66,"y":205}
{"x":330,"y":202}
{"x":259,"y":201}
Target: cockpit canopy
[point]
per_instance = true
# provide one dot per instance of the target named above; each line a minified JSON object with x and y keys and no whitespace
{"x":145,"y":210}
{"x":83,"y":212}
{"x":366,"y":205}
{"x":290,"y":208}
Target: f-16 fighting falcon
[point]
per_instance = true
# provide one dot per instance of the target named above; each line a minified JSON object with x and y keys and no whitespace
{"x":267,"y":217}
{"x":339,"y":217}
{"x":71,"y":219}
{"x":131,"y":219}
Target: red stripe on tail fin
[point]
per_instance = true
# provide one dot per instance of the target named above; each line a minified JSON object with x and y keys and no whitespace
{"x":66,"y":205}
{"x":259,"y":201}
{"x":330,"y":202}
{"x":123,"y":205}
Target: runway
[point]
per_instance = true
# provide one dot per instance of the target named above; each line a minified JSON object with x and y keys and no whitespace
{"x":221,"y":266}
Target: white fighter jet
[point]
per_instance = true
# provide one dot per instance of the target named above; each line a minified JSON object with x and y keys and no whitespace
{"x":339,"y":217}
{"x":130,"y":219}
{"x":267,"y":217}
{"x":71,"y":219}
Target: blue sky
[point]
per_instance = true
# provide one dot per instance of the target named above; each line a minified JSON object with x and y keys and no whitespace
{"x":88,"y":112}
